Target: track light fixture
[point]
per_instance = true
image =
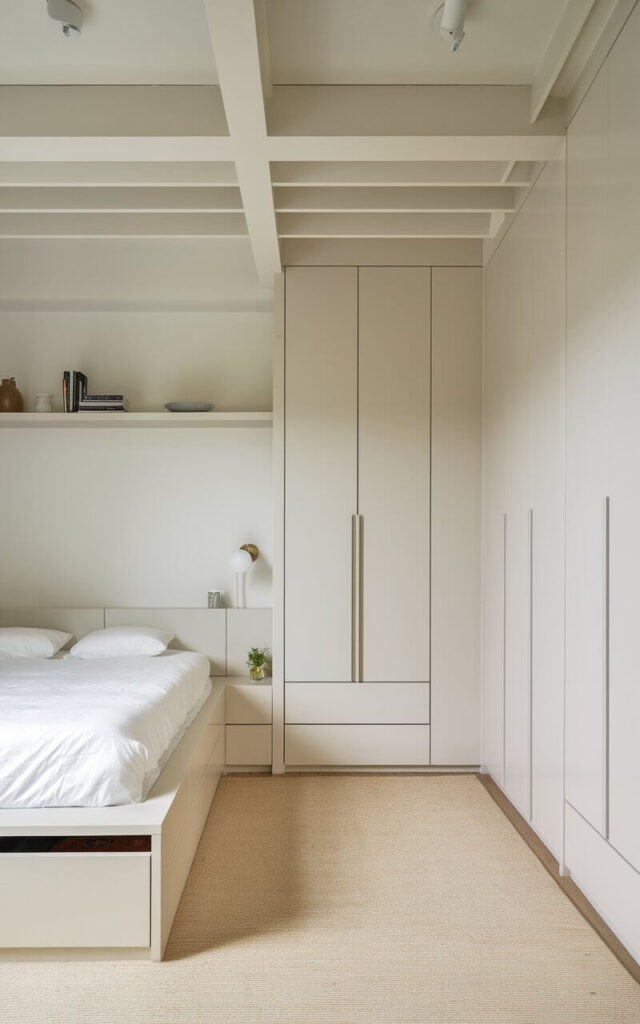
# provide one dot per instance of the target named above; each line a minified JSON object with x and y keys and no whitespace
{"x":67,"y":12}
{"x":451,"y":14}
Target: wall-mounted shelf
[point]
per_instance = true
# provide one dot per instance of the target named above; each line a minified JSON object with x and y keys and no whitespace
{"x":125,"y":420}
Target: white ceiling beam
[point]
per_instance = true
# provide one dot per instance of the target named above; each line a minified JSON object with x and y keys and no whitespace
{"x":122,"y":225}
{"x":234,"y":39}
{"x":392,"y":200}
{"x":567,"y":30}
{"x":389,"y":225}
{"x":389,"y":174}
{"x":264,"y":50}
{"x":601,"y":31}
{"x":120,"y":200}
{"x":98,"y":110}
{"x":125,"y":175}
{"x":422,"y":110}
{"x":416,"y":147}
{"x":115,"y":149}
{"x":385,"y":252}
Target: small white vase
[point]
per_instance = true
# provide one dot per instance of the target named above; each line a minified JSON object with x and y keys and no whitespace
{"x":43,"y":403}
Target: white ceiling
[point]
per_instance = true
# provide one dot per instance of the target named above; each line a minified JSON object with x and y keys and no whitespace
{"x":310,"y":42}
{"x":394,"y":42}
{"x":123,"y":42}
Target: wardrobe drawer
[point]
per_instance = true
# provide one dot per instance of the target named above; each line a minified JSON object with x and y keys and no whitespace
{"x":357,"y":703}
{"x":248,"y":704}
{"x":248,"y":744}
{"x":371,"y":745}
{"x":74,"y":899}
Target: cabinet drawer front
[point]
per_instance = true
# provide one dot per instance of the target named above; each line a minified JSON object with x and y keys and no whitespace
{"x":248,"y":744}
{"x":357,"y":703}
{"x":73,"y":899}
{"x":248,"y":704}
{"x":356,"y":745}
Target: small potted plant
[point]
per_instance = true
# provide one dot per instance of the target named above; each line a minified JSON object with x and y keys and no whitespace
{"x":258,"y":662}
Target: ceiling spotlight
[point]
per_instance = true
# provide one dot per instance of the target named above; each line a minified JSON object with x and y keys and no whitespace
{"x":69,"y":13}
{"x":452,"y":21}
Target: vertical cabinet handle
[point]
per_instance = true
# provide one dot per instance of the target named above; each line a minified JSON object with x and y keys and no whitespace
{"x":360,"y":592}
{"x":504,"y":647}
{"x":530,"y":664}
{"x":356,"y":598}
{"x":605,"y":669}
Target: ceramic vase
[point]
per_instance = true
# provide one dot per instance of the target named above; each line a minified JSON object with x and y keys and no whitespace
{"x":10,"y":397}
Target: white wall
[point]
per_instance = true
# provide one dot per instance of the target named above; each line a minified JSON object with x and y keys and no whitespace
{"x":154,"y":357}
{"x":132,"y":517}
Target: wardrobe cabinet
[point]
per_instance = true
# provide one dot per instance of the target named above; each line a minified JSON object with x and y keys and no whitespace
{"x":359,"y":585}
{"x":523,"y":520}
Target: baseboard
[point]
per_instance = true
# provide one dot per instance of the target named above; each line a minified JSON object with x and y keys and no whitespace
{"x":386,"y":770}
{"x":569,"y":888}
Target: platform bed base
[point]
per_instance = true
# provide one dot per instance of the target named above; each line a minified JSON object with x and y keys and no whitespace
{"x":108,"y":898}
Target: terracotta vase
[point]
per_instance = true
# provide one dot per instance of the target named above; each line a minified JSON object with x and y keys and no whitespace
{"x":10,"y":397}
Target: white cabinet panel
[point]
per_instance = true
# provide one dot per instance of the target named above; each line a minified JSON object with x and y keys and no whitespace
{"x":73,"y":899}
{"x":320,"y":468}
{"x":393,"y":472}
{"x":608,"y":882}
{"x":248,"y":744}
{"x":456,"y":439}
{"x":356,"y":745}
{"x":547,"y":206}
{"x":494,"y":504}
{"x":249,"y":703}
{"x":586,"y":457}
{"x":622,"y":285}
{"x":343,"y":703}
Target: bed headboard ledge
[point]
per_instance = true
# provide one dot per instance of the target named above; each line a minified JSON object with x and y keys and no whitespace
{"x":78,"y":621}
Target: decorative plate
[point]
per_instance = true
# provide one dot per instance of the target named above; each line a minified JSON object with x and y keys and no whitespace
{"x":189,"y":406}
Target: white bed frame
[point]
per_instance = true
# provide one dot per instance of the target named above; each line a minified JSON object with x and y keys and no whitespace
{"x":103,"y":905}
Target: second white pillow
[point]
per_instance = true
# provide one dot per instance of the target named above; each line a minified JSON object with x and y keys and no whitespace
{"x":122,"y":642}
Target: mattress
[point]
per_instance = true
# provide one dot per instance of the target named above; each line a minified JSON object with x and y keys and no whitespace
{"x":93,"y":733}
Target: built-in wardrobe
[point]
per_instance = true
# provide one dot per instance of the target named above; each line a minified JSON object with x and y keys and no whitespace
{"x":382,"y":443}
{"x":561,"y":504}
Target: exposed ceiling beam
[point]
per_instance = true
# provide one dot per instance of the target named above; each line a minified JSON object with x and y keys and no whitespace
{"x":571,"y":21}
{"x":264,"y":50}
{"x":234,"y":39}
{"x":416,"y":147}
{"x":601,"y":31}
{"x":388,"y":173}
{"x":392,"y":200}
{"x":116,"y":175}
{"x":121,"y":225}
{"x":121,"y":200}
{"x":390,"y":225}
{"x":115,"y":149}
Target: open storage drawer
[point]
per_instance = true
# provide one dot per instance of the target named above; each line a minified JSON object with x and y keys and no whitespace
{"x":75,"y":891}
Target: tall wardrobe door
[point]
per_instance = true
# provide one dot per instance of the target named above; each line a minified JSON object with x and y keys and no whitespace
{"x":493,"y":520}
{"x":394,"y":445}
{"x":517,"y":781}
{"x":623,"y":253}
{"x":456,"y":438}
{"x":320,"y":471}
{"x":586,"y":459}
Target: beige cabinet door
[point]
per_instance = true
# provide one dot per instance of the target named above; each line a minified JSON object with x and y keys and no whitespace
{"x":321,"y":331}
{"x":393,"y":476}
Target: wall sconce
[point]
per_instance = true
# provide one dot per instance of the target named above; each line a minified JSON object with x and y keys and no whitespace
{"x":241,"y":562}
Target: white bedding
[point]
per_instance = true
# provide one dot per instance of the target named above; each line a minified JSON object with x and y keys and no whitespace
{"x":79,"y":733}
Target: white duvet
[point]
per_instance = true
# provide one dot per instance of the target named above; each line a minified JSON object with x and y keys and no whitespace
{"x":80,"y":733}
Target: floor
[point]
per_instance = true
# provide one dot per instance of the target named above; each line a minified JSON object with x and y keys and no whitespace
{"x":351,"y":900}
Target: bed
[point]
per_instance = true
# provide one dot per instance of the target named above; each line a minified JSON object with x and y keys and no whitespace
{"x":108,"y":774}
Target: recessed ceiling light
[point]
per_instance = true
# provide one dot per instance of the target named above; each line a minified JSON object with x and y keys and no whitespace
{"x":67,"y":12}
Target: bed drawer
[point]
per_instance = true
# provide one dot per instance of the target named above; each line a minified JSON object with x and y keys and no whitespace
{"x":248,"y":744}
{"x":357,"y":703}
{"x":248,"y":703}
{"x":73,"y":899}
{"x":357,"y":745}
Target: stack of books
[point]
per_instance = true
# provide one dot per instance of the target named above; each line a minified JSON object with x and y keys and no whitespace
{"x":103,"y":403}
{"x":76,"y":399}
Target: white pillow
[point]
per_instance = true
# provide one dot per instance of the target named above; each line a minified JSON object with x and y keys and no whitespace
{"x":122,"y":642}
{"x":25,"y":642}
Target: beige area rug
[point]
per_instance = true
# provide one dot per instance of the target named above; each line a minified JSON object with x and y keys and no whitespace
{"x":351,"y":900}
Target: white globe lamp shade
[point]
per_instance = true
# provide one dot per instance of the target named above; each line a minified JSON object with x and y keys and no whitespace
{"x":241,"y":561}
